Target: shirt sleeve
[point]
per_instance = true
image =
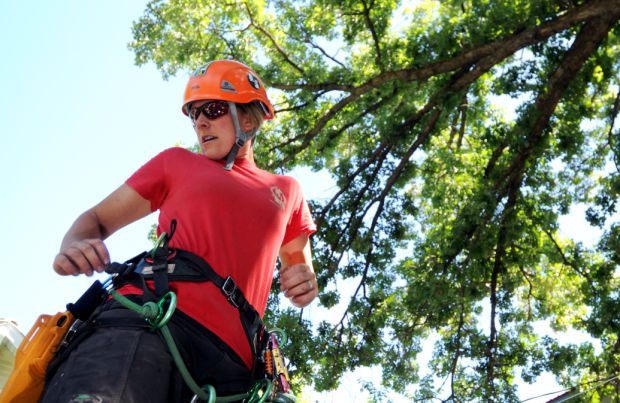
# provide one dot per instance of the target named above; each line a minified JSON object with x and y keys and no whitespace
{"x":300,"y":222}
{"x":150,"y":180}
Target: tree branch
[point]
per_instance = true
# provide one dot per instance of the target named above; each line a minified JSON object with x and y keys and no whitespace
{"x":326,"y":87}
{"x":310,"y":134}
{"x":358,"y":118}
{"x":614,"y":115}
{"x":484,"y":57}
{"x":354,"y":220}
{"x":457,"y":352}
{"x":568,"y":263}
{"x":494,"y":157}
{"x":527,"y":276}
{"x":273,"y":40}
{"x":587,"y":40}
{"x":507,"y":46}
{"x":320,"y":49}
{"x":381,"y":198}
{"x":379,"y":154}
{"x":373,"y":33}
{"x":498,"y":267}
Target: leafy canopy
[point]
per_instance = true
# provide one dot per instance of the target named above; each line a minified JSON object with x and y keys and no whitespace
{"x":445,"y":215}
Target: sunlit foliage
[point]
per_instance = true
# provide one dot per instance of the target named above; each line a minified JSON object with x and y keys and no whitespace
{"x":444,"y":220}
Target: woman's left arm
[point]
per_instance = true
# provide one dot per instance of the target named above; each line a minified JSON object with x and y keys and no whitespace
{"x":297,"y":278}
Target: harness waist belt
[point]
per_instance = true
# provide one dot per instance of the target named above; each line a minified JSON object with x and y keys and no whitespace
{"x":181,"y":265}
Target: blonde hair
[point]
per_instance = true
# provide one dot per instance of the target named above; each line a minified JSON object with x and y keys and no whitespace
{"x":255,"y":111}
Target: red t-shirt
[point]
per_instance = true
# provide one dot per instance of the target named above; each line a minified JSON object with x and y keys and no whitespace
{"x":235,"y":220}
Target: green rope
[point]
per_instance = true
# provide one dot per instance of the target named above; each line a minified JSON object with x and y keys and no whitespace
{"x":153,"y":313}
{"x":187,"y":377}
{"x":149,"y":310}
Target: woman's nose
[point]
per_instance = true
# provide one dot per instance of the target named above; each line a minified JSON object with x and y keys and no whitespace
{"x":201,"y":120}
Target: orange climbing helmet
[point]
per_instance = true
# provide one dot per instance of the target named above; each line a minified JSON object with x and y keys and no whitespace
{"x":226,"y":80}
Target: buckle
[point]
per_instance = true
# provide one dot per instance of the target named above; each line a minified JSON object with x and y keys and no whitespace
{"x":158,"y":267}
{"x":116,"y":268}
{"x":229,"y":289}
{"x":70,"y":333}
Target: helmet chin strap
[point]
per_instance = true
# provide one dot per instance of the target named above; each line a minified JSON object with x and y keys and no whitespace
{"x":240,"y":137}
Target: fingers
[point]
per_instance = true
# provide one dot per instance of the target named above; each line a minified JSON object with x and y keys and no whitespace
{"x":82,"y":257}
{"x":298,"y":283}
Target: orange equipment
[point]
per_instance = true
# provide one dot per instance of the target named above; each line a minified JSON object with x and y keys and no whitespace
{"x":25,"y":384}
{"x":235,"y":83}
{"x":226,"y":80}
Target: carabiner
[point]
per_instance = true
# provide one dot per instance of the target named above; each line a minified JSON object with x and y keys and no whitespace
{"x":163,"y":317}
{"x":158,"y":243}
{"x":281,"y":333}
{"x":210,"y":392}
{"x":254,"y":397}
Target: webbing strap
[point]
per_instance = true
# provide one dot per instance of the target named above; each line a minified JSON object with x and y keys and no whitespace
{"x":232,"y":155}
{"x":160,"y":271}
{"x":249,"y":317}
{"x":186,"y":266}
{"x":227,"y":285}
{"x":161,"y":255}
{"x":240,"y":137}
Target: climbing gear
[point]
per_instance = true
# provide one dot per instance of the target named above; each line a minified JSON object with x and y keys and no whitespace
{"x":226,"y":80}
{"x":170,"y":264}
{"x":188,"y":267}
{"x":275,"y":368}
{"x":273,"y":388}
{"x":25,"y":384}
{"x":259,"y":393}
{"x":211,"y":110}
{"x":157,"y":315}
{"x":159,"y":257}
{"x":52,"y":338}
{"x":47,"y":336}
{"x":233,"y":82}
{"x":185,"y":266}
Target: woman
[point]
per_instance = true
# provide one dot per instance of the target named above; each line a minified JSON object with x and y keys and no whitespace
{"x":229,"y":213}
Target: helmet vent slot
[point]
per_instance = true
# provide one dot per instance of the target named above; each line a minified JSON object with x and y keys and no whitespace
{"x":226,"y":86}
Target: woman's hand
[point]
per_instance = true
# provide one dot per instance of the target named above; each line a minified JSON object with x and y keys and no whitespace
{"x":82,"y":257}
{"x":297,"y":278}
{"x":298,"y":283}
{"x":82,"y":250}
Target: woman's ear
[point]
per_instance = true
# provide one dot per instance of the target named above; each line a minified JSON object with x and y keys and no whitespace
{"x":245,"y":121}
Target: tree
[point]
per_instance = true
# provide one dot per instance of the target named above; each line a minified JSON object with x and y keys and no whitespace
{"x":446,"y":212}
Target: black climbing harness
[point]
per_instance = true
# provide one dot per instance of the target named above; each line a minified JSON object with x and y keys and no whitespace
{"x":164,"y":264}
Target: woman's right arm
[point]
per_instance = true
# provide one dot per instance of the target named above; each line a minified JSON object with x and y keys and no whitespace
{"x":82,"y":250}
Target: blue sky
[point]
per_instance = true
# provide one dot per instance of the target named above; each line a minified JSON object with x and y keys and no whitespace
{"x":77,"y":117}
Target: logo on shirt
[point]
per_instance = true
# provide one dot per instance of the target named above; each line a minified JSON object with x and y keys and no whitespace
{"x":278,"y":197}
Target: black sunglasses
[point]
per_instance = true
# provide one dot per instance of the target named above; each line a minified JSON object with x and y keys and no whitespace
{"x":211,"y":110}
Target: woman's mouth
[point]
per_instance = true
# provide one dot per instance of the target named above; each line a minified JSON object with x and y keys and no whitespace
{"x":206,"y":139}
